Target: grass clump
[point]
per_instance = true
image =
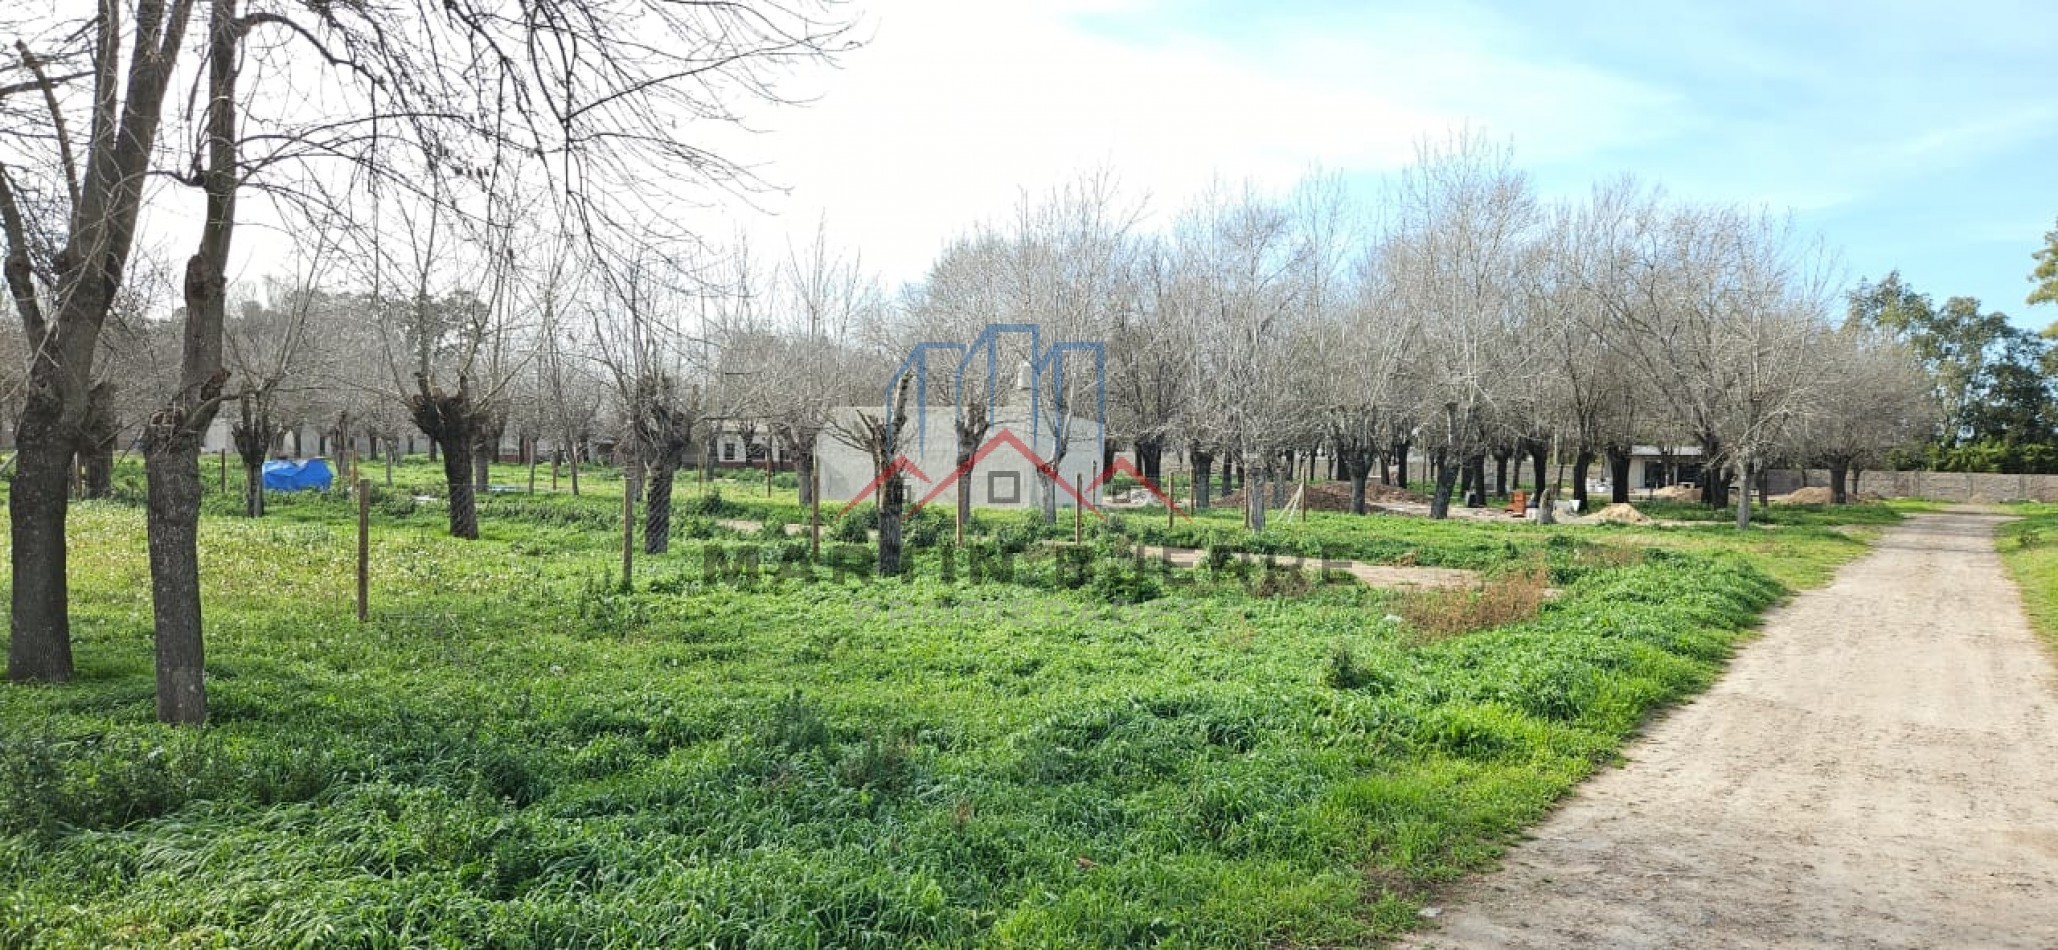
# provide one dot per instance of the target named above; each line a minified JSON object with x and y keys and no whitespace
{"x":1512,"y":596}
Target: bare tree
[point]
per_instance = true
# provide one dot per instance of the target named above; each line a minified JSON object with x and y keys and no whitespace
{"x":65,"y":263}
{"x":880,"y":436}
{"x":1247,"y":263}
{"x":1463,"y":215}
{"x":1870,"y":398}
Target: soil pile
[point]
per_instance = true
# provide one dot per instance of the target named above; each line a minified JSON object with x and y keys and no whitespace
{"x":1621,"y":514}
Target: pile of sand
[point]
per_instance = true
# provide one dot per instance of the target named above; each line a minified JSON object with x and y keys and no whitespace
{"x":1808,"y":496}
{"x":1676,"y":493}
{"x":1621,"y":514}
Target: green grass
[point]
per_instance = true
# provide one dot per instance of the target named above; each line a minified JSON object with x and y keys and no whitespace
{"x":514,"y":752}
{"x":2029,"y":546}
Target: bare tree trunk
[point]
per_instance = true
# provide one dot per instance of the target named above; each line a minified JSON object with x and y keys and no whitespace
{"x":1446,"y":474}
{"x":1618,"y":475}
{"x":1539,"y":453}
{"x":1500,"y":472}
{"x":1357,"y":466}
{"x":172,"y":468}
{"x":804,"y":470}
{"x":1743,"y":497}
{"x":486,"y":451}
{"x":1400,"y":454}
{"x":97,"y":463}
{"x":452,"y":424}
{"x":1581,"y":461}
{"x":40,"y":649}
{"x":1839,"y":474}
{"x":1254,"y":497}
{"x":171,"y":453}
{"x":97,"y":435}
{"x":253,"y":487}
{"x":657,"y":505}
{"x":892,"y":501}
{"x":457,"y":475}
{"x":1715,"y":486}
{"x":1203,"y":475}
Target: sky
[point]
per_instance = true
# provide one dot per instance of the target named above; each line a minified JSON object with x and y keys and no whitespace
{"x":1921,"y":136}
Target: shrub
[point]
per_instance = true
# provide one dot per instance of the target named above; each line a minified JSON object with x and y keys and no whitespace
{"x":1439,"y":613}
{"x":1124,"y":582}
{"x":795,"y":724}
{"x":851,"y":529}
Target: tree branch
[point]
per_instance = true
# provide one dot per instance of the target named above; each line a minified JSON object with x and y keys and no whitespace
{"x":20,"y":276}
{"x":34,"y":65}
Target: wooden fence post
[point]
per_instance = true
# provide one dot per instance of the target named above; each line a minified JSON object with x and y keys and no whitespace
{"x":225,"y":470}
{"x":364,"y":548}
{"x":1078,"y":508}
{"x":629,"y":489}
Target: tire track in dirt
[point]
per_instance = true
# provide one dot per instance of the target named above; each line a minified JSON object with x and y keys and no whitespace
{"x":1878,"y":769}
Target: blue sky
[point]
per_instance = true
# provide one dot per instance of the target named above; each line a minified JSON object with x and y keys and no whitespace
{"x":1922,"y":136}
{"x":1919,"y":136}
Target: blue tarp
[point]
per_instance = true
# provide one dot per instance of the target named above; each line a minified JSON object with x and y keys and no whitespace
{"x":285,"y":475}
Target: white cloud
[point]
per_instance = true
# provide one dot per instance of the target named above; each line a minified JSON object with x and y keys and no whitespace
{"x":957,"y":107}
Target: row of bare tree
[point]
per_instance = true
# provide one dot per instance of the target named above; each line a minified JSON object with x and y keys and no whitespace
{"x":446,"y":124}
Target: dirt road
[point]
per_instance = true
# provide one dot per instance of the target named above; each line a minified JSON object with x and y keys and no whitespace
{"x":1879,"y":769}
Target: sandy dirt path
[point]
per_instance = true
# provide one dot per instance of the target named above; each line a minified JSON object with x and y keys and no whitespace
{"x":1879,"y":769}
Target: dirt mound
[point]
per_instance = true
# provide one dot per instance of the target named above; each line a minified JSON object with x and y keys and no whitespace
{"x":1871,"y":497}
{"x":1621,"y":514}
{"x":1333,"y":496}
{"x":1676,"y":493}
{"x":1807,"y":496}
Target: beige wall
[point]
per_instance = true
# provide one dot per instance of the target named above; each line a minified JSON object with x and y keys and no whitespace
{"x":1942,"y":486}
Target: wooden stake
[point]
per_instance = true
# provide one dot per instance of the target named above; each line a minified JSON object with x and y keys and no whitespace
{"x":628,"y":530}
{"x":364,"y":548}
{"x":1171,"y":493}
{"x":1304,"y":496}
{"x":1078,"y":509}
{"x":814,"y":510}
{"x":225,"y":471}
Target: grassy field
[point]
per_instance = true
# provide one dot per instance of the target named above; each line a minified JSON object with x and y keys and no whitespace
{"x":517,"y":752}
{"x":2030,"y":548}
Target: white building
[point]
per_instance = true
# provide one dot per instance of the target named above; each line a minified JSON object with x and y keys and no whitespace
{"x":1652,"y":466}
{"x":1004,"y":473}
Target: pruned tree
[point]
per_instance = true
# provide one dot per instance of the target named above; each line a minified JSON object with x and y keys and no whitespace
{"x":880,"y":435}
{"x":68,"y":209}
{"x":1462,"y":216}
{"x":1248,"y":263}
{"x":1870,"y":398}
